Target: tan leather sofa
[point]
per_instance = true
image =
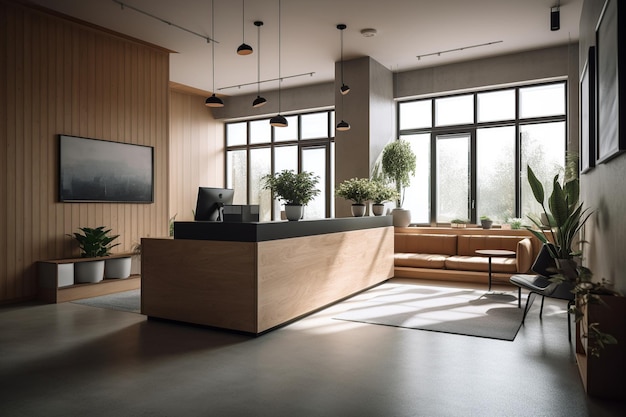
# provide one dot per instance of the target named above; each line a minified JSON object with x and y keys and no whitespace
{"x":452,"y":255}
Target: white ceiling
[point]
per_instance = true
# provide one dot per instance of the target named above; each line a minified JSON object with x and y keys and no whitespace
{"x":310,"y":41}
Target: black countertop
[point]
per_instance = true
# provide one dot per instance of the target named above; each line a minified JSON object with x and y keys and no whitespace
{"x":264,"y":231}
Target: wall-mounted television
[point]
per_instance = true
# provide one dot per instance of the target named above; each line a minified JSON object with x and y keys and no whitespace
{"x":93,"y":170}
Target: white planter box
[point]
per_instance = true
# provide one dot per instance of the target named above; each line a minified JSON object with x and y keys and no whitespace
{"x":117,"y":267}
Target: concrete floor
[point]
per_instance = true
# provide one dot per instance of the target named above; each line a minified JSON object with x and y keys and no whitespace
{"x":74,"y":360}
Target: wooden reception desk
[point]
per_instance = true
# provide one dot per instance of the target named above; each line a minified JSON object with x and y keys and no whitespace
{"x":253,"y":277}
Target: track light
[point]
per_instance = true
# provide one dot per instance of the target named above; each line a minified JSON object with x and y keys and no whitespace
{"x":555,"y":18}
{"x":244,"y":48}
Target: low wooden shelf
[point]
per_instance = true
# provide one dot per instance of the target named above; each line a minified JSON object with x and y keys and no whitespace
{"x":50,"y":272}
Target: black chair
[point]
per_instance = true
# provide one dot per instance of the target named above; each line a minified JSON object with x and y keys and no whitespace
{"x":541,"y":285}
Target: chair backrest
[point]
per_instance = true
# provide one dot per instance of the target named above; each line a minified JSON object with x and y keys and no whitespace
{"x":544,"y":264}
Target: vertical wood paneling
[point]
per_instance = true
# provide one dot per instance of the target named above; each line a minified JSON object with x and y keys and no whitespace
{"x":191,"y":152}
{"x":62,"y":77}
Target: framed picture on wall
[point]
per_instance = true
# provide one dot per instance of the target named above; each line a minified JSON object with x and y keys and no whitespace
{"x":587,"y":145}
{"x":92,"y":170}
{"x":611,"y":140}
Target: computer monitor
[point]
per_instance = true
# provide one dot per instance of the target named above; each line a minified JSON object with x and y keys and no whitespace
{"x":211,"y":201}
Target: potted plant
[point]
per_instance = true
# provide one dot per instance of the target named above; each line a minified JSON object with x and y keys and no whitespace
{"x":486,"y":222}
{"x":93,"y":243}
{"x":381,"y":193}
{"x":398,"y":164}
{"x":359,"y":191}
{"x":515,"y":222}
{"x":566,"y":218}
{"x":459,"y":223}
{"x":296,"y":190}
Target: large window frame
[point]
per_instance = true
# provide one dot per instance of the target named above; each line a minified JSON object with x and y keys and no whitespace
{"x":322,"y":138}
{"x":417,"y":127}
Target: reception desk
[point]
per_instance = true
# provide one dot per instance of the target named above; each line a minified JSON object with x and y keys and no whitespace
{"x":253,"y":277}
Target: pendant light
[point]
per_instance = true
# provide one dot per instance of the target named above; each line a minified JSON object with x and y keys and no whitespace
{"x":244,"y":48}
{"x":344,"y":88}
{"x":213,"y":101}
{"x":278,"y":120}
{"x":342,"y":126}
{"x":258,"y":101}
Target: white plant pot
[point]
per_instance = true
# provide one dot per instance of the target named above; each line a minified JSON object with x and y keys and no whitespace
{"x":89,"y":271}
{"x":378,"y":209}
{"x":401,"y":217}
{"x":358,"y":210}
{"x":117,"y":267}
{"x":294,"y":212}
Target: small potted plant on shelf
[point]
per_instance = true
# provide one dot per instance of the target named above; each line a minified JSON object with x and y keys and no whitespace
{"x":515,"y":222}
{"x":296,"y":190}
{"x":359,"y":191}
{"x":459,"y":223}
{"x":486,"y":222}
{"x":398,"y":165}
{"x":381,"y":194}
{"x":93,"y":243}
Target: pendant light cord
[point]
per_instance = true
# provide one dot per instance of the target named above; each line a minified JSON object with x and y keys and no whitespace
{"x":213,"y":42}
{"x":243,"y":21}
{"x":280,"y":81}
{"x":258,"y":59}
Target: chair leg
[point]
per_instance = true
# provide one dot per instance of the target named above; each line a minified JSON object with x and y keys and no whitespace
{"x":541,"y":309}
{"x":519,"y":297}
{"x":526,"y":308}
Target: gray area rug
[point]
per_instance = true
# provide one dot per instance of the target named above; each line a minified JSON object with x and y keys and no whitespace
{"x":124,"y":301}
{"x":449,"y":310}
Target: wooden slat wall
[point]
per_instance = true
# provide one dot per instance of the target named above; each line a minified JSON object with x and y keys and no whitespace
{"x":61,"y":77}
{"x":196,"y":152}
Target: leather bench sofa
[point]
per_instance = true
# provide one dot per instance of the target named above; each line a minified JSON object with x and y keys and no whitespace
{"x":452,"y":256}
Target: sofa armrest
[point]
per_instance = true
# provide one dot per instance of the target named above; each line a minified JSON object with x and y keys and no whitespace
{"x":524,"y":255}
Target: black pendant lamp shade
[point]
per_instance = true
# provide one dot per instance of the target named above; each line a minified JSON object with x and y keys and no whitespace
{"x":258,"y":101}
{"x":279,"y":120}
{"x":213,"y":101}
{"x":244,"y":48}
{"x":344,"y":88}
{"x":342,"y":126}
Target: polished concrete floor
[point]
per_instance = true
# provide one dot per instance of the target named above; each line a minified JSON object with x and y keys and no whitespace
{"x":74,"y":360}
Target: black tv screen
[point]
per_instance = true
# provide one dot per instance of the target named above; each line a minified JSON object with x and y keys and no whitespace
{"x":92,"y":170}
{"x":211,"y":201}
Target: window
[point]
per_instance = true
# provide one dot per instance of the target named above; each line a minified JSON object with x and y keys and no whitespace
{"x":254,"y":149}
{"x":473,"y":148}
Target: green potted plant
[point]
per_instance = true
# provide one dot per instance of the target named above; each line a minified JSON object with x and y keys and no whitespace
{"x":486,"y":222}
{"x":93,"y":243}
{"x":515,"y":222}
{"x":566,"y":217}
{"x":381,"y":194}
{"x":459,"y":223}
{"x":398,"y":165}
{"x":296,"y":190}
{"x":359,"y":191}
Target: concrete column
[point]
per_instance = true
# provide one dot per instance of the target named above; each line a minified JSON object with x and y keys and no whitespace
{"x":369,"y":108}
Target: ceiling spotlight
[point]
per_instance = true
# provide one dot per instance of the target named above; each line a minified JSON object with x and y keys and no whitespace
{"x":555,"y":18}
{"x":368,"y":33}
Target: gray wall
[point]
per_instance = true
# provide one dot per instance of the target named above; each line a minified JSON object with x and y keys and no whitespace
{"x":603,"y":188}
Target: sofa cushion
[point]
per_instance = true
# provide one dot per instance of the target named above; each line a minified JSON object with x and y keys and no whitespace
{"x":469,"y":244}
{"x":481,"y":263}
{"x":420,"y":260}
{"x":439,"y":244}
